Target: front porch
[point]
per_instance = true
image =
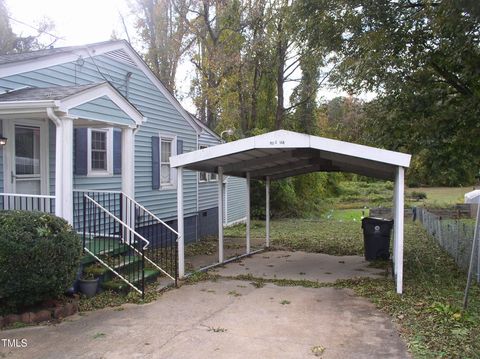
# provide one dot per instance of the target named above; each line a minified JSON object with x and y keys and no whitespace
{"x":69,"y":151}
{"x":62,"y":136}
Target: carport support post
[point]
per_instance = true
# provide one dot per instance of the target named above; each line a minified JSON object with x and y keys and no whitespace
{"x":267,"y":212}
{"x":248,"y":215}
{"x":398,"y":228}
{"x":220,"y":215}
{"x":180,"y":225}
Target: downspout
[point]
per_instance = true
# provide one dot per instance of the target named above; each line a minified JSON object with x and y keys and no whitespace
{"x":197,"y":221}
{"x":58,"y":161}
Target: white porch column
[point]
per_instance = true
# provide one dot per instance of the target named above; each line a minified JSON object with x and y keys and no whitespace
{"x":67,"y":169}
{"x":398,"y":228}
{"x":59,"y":168}
{"x":248,"y":215}
{"x":267,"y":212}
{"x":128,"y":162}
{"x":180,"y":226}
{"x":220,"y":215}
{"x":128,"y":176}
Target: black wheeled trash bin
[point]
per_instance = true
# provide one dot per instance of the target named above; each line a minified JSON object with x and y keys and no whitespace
{"x":376,"y":237}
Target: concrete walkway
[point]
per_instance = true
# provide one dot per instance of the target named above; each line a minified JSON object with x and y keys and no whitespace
{"x":223,"y":319}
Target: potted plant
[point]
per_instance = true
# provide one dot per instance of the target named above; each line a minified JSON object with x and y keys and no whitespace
{"x":88,"y":283}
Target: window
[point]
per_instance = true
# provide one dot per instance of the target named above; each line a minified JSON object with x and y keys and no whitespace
{"x":167,"y":149}
{"x":99,"y":151}
{"x":100,"y":154}
{"x":166,"y":152}
{"x":202,"y":176}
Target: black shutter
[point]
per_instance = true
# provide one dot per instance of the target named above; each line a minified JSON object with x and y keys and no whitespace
{"x":81,"y":151}
{"x":155,"y":162}
{"x":117,"y":152}
{"x":179,"y":147}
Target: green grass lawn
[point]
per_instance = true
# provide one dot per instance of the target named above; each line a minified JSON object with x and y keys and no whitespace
{"x":429,"y":312}
{"x":441,"y":196}
{"x":352,"y":214}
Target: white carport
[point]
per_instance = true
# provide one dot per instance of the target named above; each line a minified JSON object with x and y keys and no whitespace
{"x":282,"y":154}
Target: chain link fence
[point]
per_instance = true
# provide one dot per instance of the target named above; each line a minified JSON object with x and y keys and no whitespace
{"x":453,"y":235}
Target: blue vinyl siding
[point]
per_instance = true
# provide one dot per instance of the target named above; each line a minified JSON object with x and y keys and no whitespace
{"x":162,"y":116}
{"x":207,"y":191}
{"x":102,"y":109}
{"x":236,"y":199}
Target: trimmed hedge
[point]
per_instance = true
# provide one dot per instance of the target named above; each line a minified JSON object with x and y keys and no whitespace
{"x":39,"y":258}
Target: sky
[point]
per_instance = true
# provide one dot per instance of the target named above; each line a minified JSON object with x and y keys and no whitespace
{"x":79,"y":22}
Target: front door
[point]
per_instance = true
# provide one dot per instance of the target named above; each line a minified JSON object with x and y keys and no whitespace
{"x":27,"y":158}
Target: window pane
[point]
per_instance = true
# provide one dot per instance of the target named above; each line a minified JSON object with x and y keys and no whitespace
{"x":213,"y":177}
{"x":99,"y":140}
{"x":166,"y":150}
{"x":27,"y":150}
{"x":203,"y":176}
{"x":99,"y":160}
{"x":165,"y":173}
{"x":99,"y":150}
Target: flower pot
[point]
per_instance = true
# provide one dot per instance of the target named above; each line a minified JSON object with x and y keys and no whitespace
{"x":88,"y":287}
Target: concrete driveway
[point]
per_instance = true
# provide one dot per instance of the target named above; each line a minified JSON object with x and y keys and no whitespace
{"x":298,"y":265}
{"x":222,"y":319}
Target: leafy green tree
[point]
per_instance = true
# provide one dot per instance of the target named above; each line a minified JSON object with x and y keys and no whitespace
{"x":421,"y":57}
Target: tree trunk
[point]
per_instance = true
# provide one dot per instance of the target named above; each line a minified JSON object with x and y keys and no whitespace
{"x":281,"y":49}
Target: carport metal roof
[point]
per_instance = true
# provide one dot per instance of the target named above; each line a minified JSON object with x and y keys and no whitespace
{"x":281,"y":154}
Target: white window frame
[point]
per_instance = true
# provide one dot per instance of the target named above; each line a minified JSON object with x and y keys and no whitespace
{"x":208,"y":175}
{"x":109,"y":171}
{"x":200,"y":180}
{"x":173,"y":171}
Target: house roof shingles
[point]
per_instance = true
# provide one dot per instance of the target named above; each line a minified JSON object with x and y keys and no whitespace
{"x":32,"y":55}
{"x":46,"y":93}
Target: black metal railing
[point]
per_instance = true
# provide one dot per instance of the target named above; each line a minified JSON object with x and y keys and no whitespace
{"x":27,"y":202}
{"x":110,"y":200}
{"x":113,"y":243}
{"x":113,"y":218}
{"x":162,"y":249}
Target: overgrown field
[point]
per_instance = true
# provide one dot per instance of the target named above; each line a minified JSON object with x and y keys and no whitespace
{"x":319,"y":236}
{"x":441,"y":196}
{"x":360,"y":194}
{"x":429,"y":312}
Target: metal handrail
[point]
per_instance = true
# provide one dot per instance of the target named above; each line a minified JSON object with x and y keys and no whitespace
{"x":118,"y":220}
{"x":135,"y":233}
{"x":94,"y":190}
{"x":150,"y":213}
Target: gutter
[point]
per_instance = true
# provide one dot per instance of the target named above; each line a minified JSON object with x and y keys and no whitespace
{"x":58,"y":160}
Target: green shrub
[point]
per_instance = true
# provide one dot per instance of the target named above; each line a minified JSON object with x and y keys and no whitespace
{"x":417,"y":195}
{"x":39,"y":258}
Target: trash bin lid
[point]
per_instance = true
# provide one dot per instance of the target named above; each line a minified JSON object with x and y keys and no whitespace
{"x":376,"y":220}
